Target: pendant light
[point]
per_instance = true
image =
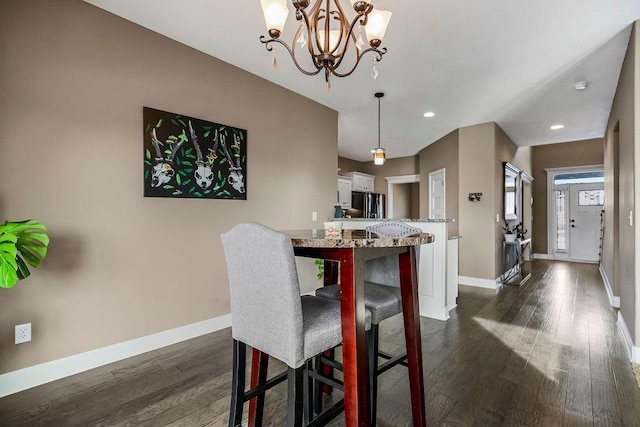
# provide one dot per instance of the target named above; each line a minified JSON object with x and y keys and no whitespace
{"x":379,"y":156}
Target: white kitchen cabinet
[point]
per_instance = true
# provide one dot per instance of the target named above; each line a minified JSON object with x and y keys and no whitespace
{"x":344,"y":192}
{"x":361,"y":181}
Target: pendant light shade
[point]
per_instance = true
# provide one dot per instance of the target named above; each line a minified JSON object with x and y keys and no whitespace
{"x":379,"y":154}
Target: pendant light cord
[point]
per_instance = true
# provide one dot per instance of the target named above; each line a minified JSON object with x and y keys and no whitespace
{"x":378,"y":122}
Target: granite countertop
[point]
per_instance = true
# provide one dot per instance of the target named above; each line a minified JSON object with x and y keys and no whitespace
{"x":354,"y":239}
{"x":396,"y":219}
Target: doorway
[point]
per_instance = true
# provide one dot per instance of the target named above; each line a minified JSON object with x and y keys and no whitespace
{"x":403,"y":196}
{"x":437,"y":191}
{"x":575,"y":208}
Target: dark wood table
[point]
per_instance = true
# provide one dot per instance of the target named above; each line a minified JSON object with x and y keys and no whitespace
{"x":351,"y":251}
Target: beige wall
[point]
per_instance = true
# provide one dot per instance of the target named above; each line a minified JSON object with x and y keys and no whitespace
{"x":620,"y":237}
{"x":505,"y":152}
{"x":74,"y":79}
{"x":477,"y":220}
{"x":348,"y":165}
{"x":402,"y":201}
{"x":568,"y":154}
{"x":442,"y":154}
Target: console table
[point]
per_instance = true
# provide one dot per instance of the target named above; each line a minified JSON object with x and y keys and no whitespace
{"x":513,"y":262}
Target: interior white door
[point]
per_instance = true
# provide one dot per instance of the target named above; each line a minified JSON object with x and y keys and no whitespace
{"x":586,"y":203}
{"x":437,"y":187}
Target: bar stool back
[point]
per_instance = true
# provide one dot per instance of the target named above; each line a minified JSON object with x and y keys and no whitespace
{"x":269,"y":314}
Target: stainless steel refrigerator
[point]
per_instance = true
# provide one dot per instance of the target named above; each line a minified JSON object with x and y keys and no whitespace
{"x":367,"y":205}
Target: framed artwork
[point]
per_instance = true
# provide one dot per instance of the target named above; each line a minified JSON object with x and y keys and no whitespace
{"x":185,"y":157}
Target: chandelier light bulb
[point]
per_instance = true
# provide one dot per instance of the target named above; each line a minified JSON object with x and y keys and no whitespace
{"x":275,"y":14}
{"x":377,"y":25}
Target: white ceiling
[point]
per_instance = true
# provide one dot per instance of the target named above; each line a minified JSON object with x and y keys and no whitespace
{"x":510,"y":61}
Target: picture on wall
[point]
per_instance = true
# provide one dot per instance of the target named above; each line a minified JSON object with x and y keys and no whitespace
{"x":185,"y":157}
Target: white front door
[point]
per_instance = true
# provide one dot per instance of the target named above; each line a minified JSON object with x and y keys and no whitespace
{"x":437,"y":194}
{"x":585,"y":205}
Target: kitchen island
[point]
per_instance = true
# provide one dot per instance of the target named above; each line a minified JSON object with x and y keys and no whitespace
{"x":437,"y":264}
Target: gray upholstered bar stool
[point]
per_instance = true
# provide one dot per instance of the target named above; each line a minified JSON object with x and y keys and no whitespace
{"x":382,"y":298}
{"x":269,"y":314}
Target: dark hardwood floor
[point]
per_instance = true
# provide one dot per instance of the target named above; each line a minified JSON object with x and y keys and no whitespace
{"x":546,"y":353}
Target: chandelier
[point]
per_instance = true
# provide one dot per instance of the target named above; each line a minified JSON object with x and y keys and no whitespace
{"x":346,"y":39}
{"x":379,"y":156}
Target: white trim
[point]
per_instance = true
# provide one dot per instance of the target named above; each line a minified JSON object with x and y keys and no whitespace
{"x":479,"y":283}
{"x":444,"y":192}
{"x":634,"y":352}
{"x":543,"y":256}
{"x":393,"y":180}
{"x":22,"y":379}
{"x":613,"y":300}
{"x":403,"y":179}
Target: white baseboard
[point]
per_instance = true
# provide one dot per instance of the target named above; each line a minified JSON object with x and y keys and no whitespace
{"x":479,"y":283}
{"x":634,"y":352}
{"x":613,"y":300}
{"x":543,"y":256}
{"x":22,"y":379}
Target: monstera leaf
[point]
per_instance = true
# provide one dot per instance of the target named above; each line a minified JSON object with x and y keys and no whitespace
{"x":22,"y":244}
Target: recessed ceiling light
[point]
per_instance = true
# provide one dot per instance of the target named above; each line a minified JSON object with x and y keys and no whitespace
{"x":429,"y":114}
{"x":556,"y":127}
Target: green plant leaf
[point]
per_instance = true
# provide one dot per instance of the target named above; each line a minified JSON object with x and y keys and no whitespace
{"x":182,"y":123}
{"x":159,"y":123}
{"x":206,"y":134}
{"x":8,"y":276}
{"x":197,"y":193}
{"x":178,"y":179}
{"x":187,"y":162}
{"x":23,"y":270}
{"x":146,"y":174}
{"x":147,"y":153}
{"x":182,"y":172}
{"x":168,"y":187}
{"x":21,"y":243}
{"x":185,"y":183}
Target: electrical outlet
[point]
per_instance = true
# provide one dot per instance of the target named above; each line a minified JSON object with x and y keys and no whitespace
{"x":314,"y":216}
{"x":23,"y":333}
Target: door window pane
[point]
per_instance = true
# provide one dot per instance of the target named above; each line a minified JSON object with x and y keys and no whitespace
{"x":591,"y":197}
{"x":561,"y":220}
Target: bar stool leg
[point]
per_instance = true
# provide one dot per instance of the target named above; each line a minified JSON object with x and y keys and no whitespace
{"x":259,"y":366}
{"x":237,"y":383}
{"x":372,"y":350}
{"x":295,"y":395}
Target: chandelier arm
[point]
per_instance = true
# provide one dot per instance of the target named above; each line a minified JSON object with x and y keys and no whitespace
{"x":340,"y":16}
{"x":303,"y":16}
{"x":269,"y":48}
{"x":346,"y":46}
{"x":379,"y":53}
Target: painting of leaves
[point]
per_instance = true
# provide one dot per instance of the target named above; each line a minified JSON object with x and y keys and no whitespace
{"x":193,"y":158}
